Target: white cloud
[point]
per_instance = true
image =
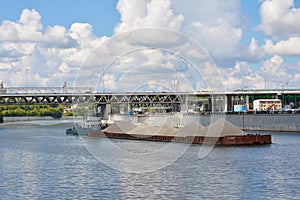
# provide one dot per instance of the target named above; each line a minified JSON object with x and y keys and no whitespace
{"x":241,"y":76}
{"x":82,"y":33}
{"x":276,"y":72}
{"x":274,"y":61}
{"x":137,"y":14}
{"x":209,"y":12}
{"x":253,"y":53}
{"x":31,"y":19}
{"x":55,"y":54}
{"x":29,"y":29}
{"x":10,"y":53}
{"x":280,"y":18}
{"x":284,"y":47}
{"x":59,"y":53}
{"x":221,"y":40}
{"x":273,"y":72}
{"x":217,"y":25}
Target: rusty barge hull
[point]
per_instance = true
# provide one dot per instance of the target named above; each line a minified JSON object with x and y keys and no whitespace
{"x":249,"y":139}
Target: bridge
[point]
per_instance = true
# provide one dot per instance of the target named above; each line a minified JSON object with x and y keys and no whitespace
{"x":207,"y":101}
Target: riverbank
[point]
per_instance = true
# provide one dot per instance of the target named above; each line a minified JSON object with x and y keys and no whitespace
{"x":267,"y":122}
{"x":34,"y":118}
{"x":247,"y":122}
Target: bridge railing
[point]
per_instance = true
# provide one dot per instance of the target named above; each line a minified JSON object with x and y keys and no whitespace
{"x":46,"y":90}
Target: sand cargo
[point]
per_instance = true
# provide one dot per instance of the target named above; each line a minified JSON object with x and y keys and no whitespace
{"x":220,"y":132}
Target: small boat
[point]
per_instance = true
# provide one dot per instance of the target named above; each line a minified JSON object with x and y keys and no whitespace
{"x":83,"y":128}
{"x":71,"y":131}
{"x":83,"y":131}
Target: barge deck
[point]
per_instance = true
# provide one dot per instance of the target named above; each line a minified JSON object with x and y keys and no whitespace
{"x":221,"y":133}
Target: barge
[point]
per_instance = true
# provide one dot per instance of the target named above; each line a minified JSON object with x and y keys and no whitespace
{"x":220,"y":132}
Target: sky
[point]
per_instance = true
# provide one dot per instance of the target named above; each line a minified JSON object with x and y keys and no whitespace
{"x":153,"y":45}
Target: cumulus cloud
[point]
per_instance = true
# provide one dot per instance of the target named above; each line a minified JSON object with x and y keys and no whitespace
{"x":217,"y":25}
{"x":290,"y":47}
{"x":241,"y":76}
{"x":137,"y":14}
{"x":280,"y":18}
{"x":10,"y":53}
{"x":209,"y":12}
{"x":276,"y":72}
{"x":138,"y":64}
{"x":29,"y":29}
{"x":62,"y":52}
{"x":167,"y":43}
{"x":221,"y":40}
{"x":52,"y":55}
{"x":255,"y":50}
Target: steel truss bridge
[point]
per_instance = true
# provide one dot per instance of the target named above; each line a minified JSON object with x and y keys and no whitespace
{"x":86,"y":98}
{"x":208,"y":100}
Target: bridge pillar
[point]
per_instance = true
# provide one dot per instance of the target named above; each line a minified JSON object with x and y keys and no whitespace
{"x":184,"y":105}
{"x":103,"y":110}
{"x":213,"y":103}
{"x":107,"y":110}
{"x":218,"y":103}
{"x":247,"y":102}
{"x":225,"y":103}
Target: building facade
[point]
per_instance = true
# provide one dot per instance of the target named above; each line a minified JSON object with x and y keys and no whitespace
{"x":267,"y":104}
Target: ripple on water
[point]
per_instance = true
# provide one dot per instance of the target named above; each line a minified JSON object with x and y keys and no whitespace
{"x":38,"y":162}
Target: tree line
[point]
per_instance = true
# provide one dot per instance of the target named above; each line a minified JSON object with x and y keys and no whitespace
{"x":54,"y":111}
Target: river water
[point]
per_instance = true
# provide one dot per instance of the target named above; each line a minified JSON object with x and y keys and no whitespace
{"x":38,"y":161}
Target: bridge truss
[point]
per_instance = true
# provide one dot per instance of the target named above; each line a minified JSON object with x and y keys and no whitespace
{"x":156,"y":99}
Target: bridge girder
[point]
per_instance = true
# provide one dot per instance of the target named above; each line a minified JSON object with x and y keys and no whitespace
{"x":91,"y":98}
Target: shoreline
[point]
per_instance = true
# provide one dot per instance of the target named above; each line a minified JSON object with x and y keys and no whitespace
{"x":36,"y":118}
{"x":261,"y":122}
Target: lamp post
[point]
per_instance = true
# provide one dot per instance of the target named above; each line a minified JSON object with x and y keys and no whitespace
{"x":265,"y":77}
{"x":175,"y":83}
{"x":26,"y":80}
{"x":282,"y":87}
{"x":103,"y":87}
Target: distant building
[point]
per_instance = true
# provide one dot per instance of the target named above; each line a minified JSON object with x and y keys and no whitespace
{"x":267,"y":104}
{"x":240,"y":108}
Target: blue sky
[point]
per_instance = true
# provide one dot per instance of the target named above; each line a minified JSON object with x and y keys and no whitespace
{"x":251,"y":10}
{"x":245,"y":38}
{"x":102,"y":14}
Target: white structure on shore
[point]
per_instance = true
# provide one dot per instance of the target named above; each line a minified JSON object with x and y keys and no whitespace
{"x":267,"y":104}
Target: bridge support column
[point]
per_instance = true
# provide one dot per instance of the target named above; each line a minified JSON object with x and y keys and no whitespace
{"x":107,"y":110}
{"x":213,"y":103}
{"x":225,"y":103}
{"x":184,"y":105}
{"x":218,"y":103}
{"x":247,"y":102}
{"x":104,"y":110}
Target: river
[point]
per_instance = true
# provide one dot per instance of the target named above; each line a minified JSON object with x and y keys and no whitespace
{"x":38,"y":161}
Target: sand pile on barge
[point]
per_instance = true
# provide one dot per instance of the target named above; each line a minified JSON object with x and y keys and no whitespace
{"x":119,"y":127}
{"x":167,"y":130}
{"x":221,"y":128}
{"x":192,"y":129}
{"x":146,"y":129}
{"x":216,"y":133}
